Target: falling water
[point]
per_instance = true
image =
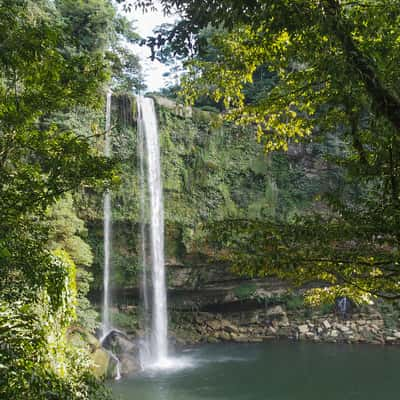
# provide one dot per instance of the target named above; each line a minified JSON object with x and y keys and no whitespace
{"x":142,"y":187}
{"x":106,"y":325}
{"x":145,"y":343}
{"x":150,"y":152}
{"x":107,"y":230}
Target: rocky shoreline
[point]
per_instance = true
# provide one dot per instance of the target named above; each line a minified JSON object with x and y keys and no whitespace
{"x":277,"y":323}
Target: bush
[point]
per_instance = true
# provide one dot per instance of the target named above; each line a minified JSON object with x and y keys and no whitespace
{"x":125,"y":321}
{"x":294,"y":303}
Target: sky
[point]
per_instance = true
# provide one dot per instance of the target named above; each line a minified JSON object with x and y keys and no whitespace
{"x":144,"y":24}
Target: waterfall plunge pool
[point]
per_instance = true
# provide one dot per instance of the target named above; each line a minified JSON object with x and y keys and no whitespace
{"x":272,"y":371}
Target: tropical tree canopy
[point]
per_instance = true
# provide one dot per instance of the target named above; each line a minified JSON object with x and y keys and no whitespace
{"x":332,"y":69}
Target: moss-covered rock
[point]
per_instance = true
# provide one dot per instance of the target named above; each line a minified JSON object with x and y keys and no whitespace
{"x":102,"y":364}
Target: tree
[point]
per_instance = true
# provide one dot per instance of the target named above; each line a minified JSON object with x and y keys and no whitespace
{"x":336,"y":65}
{"x":54,"y":59}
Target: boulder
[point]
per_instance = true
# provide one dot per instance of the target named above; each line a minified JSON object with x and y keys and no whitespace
{"x":214,"y":324}
{"x":125,"y":350}
{"x":228,"y":326}
{"x":272,"y":330}
{"x":326,"y":324}
{"x":284,"y":321}
{"x":240,"y":338}
{"x":224,"y":336}
{"x":129,"y":365}
{"x":302,"y":329}
{"x":309,"y":335}
{"x":102,"y":363}
{"x":343,"y":328}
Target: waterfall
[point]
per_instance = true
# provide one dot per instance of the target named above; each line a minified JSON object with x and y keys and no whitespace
{"x":150,"y":171}
{"x":145,"y":347}
{"x":106,"y":326}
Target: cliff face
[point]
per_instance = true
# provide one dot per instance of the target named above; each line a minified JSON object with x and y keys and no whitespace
{"x":211,"y":172}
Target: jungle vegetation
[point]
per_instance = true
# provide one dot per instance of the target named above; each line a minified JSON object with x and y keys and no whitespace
{"x":296,"y":71}
{"x":56,"y":60}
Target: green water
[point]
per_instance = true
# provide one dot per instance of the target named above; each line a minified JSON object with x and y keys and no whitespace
{"x":273,"y":371}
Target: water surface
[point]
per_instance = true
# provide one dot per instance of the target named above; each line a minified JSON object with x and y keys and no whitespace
{"x":272,"y":371}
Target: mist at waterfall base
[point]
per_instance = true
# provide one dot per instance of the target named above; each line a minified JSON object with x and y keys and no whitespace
{"x":276,"y":370}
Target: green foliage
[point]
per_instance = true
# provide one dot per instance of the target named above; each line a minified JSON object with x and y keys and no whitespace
{"x":42,"y":161}
{"x":327,"y":308}
{"x":294,"y":303}
{"x":126,"y":321}
{"x":245,"y":291}
{"x":390,"y":312}
{"x":210,"y":173}
{"x":54,"y":64}
{"x":66,"y":232}
{"x":322,"y":249}
{"x":35,"y":361}
{"x":332,"y":71}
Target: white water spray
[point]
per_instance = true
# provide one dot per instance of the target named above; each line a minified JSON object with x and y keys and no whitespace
{"x":150,"y":152}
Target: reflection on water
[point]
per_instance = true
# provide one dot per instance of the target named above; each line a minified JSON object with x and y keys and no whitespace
{"x":271,"y":371}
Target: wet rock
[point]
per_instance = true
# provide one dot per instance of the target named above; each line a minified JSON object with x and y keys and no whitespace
{"x":254,"y":339}
{"x":129,"y":365}
{"x":125,"y":349}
